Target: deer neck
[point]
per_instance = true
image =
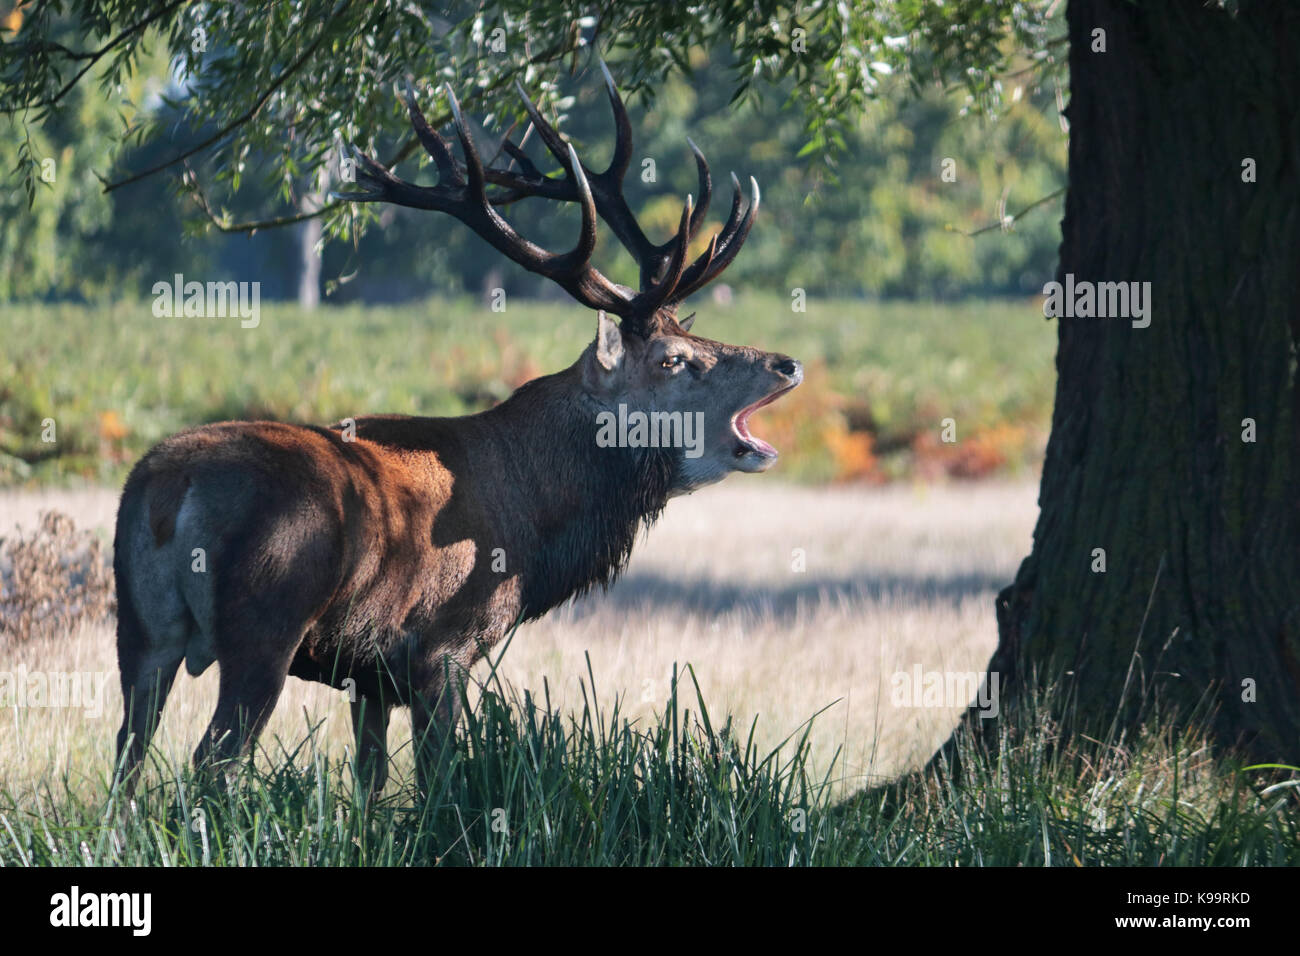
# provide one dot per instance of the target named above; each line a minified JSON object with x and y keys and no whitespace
{"x":583,"y":504}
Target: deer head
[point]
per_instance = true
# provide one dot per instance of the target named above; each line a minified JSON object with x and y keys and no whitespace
{"x":646,"y":377}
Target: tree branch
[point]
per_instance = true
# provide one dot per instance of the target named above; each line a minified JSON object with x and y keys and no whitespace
{"x":93,"y":58}
{"x":251,"y":226}
{"x":223,"y":224}
{"x":240,"y":120}
{"x":1008,"y":220}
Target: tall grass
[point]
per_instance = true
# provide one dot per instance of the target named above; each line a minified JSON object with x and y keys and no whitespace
{"x":523,"y":784}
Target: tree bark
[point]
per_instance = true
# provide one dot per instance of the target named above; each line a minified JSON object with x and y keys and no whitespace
{"x":1197,"y":614}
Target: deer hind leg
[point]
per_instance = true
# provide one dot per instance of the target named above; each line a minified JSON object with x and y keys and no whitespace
{"x":246,"y":698}
{"x":436,"y":701}
{"x":148,"y":668}
{"x":253,"y":655}
{"x":370,"y":724}
{"x":154,"y":625}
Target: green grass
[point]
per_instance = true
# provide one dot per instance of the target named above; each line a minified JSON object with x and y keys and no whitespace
{"x":114,"y":379}
{"x":526,"y":785}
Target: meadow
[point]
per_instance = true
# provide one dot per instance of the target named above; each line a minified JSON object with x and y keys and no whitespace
{"x":740,"y":696}
{"x":881,"y":377}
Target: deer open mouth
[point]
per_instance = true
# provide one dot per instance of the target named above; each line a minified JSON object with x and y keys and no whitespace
{"x":748,"y":444}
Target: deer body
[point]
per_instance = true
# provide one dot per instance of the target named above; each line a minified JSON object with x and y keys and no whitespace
{"x":389,"y":562}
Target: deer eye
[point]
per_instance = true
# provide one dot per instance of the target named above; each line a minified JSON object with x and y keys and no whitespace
{"x":672,"y":361}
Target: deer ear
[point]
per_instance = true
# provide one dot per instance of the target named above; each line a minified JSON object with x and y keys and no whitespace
{"x":609,"y":342}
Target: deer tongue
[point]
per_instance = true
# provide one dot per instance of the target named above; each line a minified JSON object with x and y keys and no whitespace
{"x":742,"y":427}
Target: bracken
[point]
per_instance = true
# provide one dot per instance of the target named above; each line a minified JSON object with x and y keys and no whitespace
{"x":52,"y":581}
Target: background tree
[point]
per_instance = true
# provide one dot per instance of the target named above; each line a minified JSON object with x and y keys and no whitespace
{"x":1174,"y":447}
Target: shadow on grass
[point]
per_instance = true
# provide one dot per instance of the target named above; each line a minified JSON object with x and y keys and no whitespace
{"x":710,"y":598}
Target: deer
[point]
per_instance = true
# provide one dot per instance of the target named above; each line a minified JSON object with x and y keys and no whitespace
{"x":385,"y":555}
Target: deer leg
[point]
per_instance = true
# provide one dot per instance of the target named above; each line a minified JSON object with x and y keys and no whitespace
{"x":250,"y":686}
{"x":243,"y":707}
{"x":435,"y":706}
{"x":147,"y":675}
{"x":370,"y":724}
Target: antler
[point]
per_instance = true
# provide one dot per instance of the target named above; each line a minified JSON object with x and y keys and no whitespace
{"x":462,"y":192}
{"x":665,"y":279}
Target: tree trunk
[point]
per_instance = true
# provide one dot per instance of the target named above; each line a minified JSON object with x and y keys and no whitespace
{"x":1198,"y":609}
{"x":309,"y":235}
{"x":309,"y":263}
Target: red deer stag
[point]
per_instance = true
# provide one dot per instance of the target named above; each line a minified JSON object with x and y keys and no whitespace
{"x":391,"y":560}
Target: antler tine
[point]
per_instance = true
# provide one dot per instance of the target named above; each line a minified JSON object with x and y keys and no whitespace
{"x":530,"y":181}
{"x":725,"y":245}
{"x":652,"y":299}
{"x":378,"y":184}
{"x":473,"y":165}
{"x":649,"y":256}
{"x":640,"y":246}
{"x":622,"y":157}
{"x":433,"y":144}
{"x":695,"y":276}
{"x":706,"y":187}
{"x":520,"y":157}
{"x":452,"y":172}
{"x":549,"y":134}
{"x":607,"y":186}
{"x":698,"y":274}
{"x":369,"y":169}
{"x":587,"y":238}
{"x":691,"y":277}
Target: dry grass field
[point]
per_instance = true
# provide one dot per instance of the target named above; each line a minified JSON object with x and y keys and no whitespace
{"x":892,"y":578}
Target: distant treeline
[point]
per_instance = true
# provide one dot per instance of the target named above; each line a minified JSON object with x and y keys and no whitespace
{"x":891,"y":218}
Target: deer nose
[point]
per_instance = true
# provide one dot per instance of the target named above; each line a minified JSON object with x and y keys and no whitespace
{"x":787,"y":366}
